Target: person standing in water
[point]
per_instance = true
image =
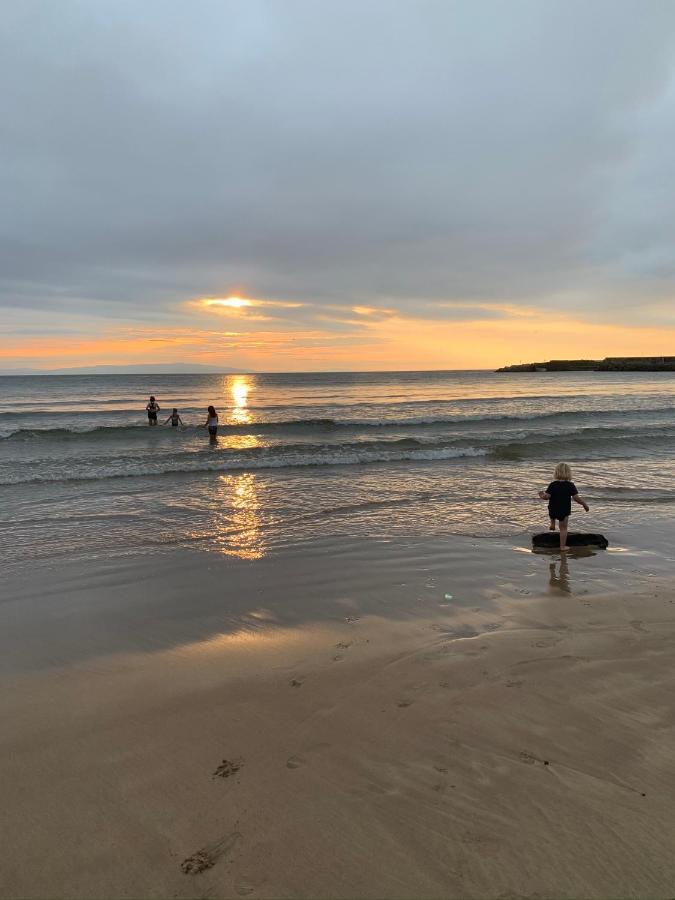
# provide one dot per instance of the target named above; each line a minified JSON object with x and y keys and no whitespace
{"x":174,"y":418}
{"x":560,"y":494}
{"x":152,"y":410}
{"x":212,"y":424}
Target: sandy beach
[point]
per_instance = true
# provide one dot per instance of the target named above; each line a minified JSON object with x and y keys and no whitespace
{"x":383,"y":738}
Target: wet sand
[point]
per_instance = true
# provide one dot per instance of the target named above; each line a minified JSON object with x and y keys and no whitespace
{"x":436,"y":720}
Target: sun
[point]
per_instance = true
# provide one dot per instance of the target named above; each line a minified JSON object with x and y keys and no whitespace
{"x":232,"y":302}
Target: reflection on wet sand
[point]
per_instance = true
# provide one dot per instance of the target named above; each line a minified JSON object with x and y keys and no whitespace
{"x":559,"y":572}
{"x":559,"y":579}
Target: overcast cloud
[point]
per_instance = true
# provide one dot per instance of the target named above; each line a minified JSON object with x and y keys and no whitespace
{"x":422,"y":156}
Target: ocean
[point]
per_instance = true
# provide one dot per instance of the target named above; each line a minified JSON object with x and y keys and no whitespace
{"x":307,"y":456}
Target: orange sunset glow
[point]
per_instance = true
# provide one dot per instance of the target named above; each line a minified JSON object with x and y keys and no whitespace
{"x":368,"y":339}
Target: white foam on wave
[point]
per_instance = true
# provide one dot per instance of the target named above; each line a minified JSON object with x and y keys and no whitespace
{"x":235,"y":464}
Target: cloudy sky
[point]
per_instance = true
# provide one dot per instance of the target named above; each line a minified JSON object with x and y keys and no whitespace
{"x":385,"y":184}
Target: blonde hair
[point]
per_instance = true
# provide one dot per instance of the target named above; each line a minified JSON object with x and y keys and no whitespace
{"x":562,"y":472}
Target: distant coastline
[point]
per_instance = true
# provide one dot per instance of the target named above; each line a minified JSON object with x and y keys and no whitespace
{"x":134,"y":369}
{"x":609,"y":364}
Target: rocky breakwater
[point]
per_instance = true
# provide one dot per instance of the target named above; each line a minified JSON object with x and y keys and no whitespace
{"x":637,"y":364}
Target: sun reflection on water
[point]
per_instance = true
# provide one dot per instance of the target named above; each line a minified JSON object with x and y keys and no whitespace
{"x":239,"y":442}
{"x":239,"y":387}
{"x":238,"y":531}
{"x":247,"y":541}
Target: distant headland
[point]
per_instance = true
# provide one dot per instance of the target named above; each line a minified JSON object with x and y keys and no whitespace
{"x":609,"y":364}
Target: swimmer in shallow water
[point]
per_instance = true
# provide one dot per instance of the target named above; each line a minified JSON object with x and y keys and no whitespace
{"x":560,"y":494}
{"x":174,"y":418}
{"x":212,"y":424}
{"x":152,"y":409}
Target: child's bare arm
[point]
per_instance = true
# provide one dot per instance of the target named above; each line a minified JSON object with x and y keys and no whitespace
{"x":580,"y":500}
{"x":544,"y":496}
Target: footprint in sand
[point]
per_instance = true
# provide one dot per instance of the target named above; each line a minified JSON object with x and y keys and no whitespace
{"x":198,"y":862}
{"x":351,"y":619}
{"x":509,"y":896}
{"x":228,"y":767}
{"x":483,"y":843}
{"x":208,"y":856}
{"x":403,"y":703}
{"x":338,"y":657}
{"x":547,"y":642}
{"x":442,"y":786}
{"x":531,"y":759}
{"x":295,"y":682}
{"x":514,"y":683}
{"x":246,"y":886}
{"x":637,"y":625}
{"x":294,"y":762}
{"x":343,"y":645}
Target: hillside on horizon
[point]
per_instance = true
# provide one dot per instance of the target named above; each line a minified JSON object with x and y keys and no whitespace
{"x":141,"y":369}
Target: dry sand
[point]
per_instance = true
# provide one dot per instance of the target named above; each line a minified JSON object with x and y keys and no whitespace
{"x":520,"y":750}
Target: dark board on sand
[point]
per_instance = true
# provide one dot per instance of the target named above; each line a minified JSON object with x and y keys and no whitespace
{"x":574,"y":539}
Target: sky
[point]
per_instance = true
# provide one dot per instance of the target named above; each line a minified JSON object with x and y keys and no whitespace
{"x":345,"y":184}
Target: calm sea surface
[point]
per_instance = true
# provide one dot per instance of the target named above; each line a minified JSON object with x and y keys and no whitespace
{"x":313,"y":455}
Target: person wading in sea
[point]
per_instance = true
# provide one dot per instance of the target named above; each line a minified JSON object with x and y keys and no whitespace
{"x":152,"y":410}
{"x":212,"y":424}
{"x":174,"y":418}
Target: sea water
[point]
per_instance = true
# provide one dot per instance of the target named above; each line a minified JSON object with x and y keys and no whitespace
{"x":302,"y":456}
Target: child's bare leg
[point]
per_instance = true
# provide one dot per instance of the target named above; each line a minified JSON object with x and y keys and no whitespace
{"x":551,"y":527}
{"x":563,"y":534}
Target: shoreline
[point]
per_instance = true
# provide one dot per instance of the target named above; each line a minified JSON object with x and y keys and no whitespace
{"x":65,"y":610}
{"x":379,"y":740}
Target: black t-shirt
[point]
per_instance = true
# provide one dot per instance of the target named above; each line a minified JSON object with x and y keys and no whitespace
{"x":560,"y":503}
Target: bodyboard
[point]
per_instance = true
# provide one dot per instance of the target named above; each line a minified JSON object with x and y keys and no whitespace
{"x":574,"y":539}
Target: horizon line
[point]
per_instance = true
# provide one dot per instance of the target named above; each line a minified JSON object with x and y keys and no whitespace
{"x":75,"y":372}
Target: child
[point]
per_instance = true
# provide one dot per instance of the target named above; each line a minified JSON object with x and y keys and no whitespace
{"x":560,"y":494}
{"x":175,"y":419}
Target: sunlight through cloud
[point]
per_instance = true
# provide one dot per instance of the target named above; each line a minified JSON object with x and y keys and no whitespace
{"x":236,"y":303}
